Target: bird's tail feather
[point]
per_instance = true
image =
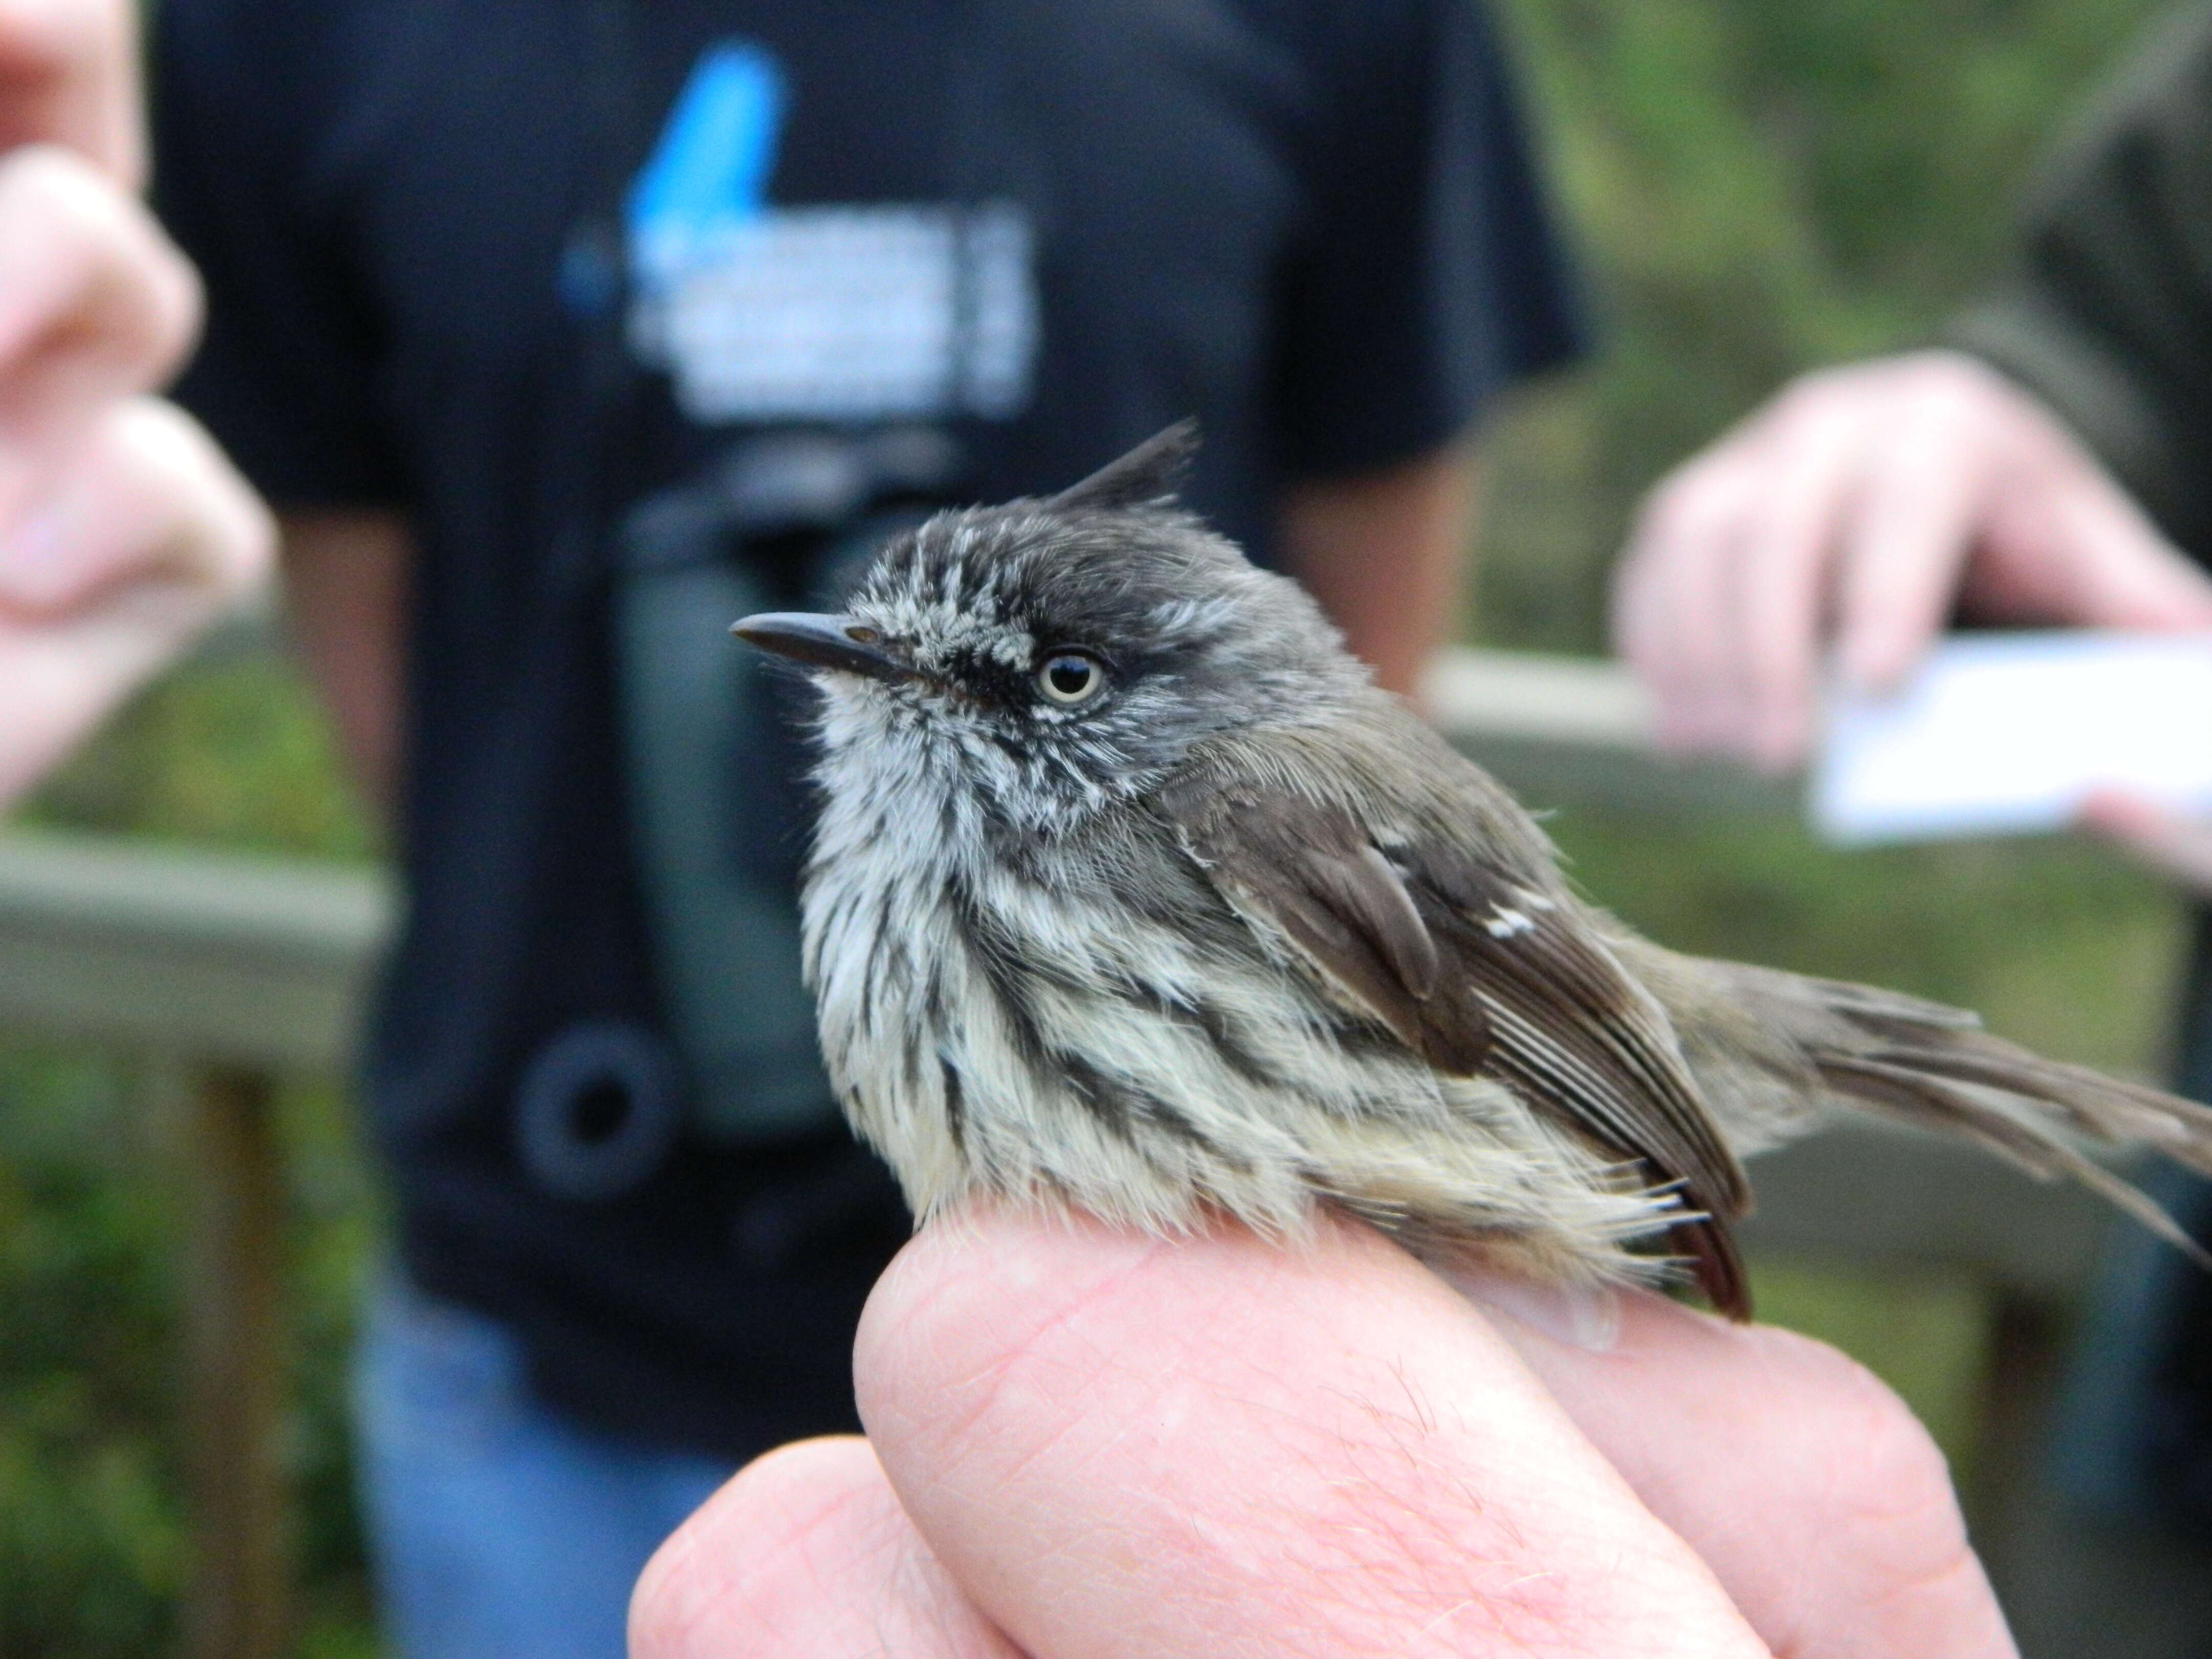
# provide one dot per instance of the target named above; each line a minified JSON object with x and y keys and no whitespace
{"x":1928,"y":1065}
{"x":2011,"y":1121}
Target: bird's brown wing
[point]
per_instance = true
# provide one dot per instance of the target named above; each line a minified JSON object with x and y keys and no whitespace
{"x":1481,"y":970}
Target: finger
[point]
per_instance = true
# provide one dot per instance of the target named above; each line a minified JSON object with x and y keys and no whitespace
{"x":2102,"y":563}
{"x":94,"y":303}
{"x":2178,"y":847}
{"x":170,"y":537}
{"x":806,"y":1554}
{"x":1921,"y":504}
{"x":1820,"y":1503}
{"x":148,"y":495}
{"x":68,"y":76}
{"x":1670,"y":596}
{"x":2061,"y":541}
{"x":1781,"y":579}
{"x":1118,"y":1445}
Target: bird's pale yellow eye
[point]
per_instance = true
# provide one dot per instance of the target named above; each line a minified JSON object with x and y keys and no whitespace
{"x":1069,"y":677}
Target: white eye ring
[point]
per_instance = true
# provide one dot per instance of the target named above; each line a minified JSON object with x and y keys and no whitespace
{"x":1069,"y":677}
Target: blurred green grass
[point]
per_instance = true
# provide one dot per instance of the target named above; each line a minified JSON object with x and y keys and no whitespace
{"x":1758,"y":185}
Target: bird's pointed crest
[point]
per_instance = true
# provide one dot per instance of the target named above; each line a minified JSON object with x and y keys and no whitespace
{"x":1148,"y":476}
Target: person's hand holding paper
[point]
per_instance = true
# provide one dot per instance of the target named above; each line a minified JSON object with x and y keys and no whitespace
{"x":1846,"y":521}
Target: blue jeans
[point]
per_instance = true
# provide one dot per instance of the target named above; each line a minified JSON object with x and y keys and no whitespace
{"x":497,"y":1527}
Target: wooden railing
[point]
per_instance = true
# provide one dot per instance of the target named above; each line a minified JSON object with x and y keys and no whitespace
{"x":239,"y":971}
{"x":244,"y":971}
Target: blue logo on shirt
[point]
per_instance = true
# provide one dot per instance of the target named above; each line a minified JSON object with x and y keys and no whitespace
{"x":710,"y":169}
{"x":826,"y":313}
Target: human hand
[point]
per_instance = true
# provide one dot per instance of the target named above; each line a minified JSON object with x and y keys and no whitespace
{"x":122,"y":530}
{"x":1093,"y":1443}
{"x":1855,"y":511}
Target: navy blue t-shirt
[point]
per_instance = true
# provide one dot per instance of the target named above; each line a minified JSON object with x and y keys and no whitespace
{"x":509,"y":265}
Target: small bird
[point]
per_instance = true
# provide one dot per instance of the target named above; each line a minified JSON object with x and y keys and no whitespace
{"x":1132,"y":891}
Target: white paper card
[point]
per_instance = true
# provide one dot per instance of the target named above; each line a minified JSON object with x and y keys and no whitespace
{"x":2009,"y":733}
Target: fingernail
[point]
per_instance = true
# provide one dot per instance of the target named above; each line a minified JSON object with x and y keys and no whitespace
{"x":1585,"y":1316}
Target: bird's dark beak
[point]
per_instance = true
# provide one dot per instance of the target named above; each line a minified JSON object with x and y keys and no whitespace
{"x":837,"y":642}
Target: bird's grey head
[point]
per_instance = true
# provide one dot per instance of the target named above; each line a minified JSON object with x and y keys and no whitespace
{"x":1062,"y":652}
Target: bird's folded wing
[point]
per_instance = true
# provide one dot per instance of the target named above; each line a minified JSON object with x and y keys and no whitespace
{"x":1472,"y":964}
